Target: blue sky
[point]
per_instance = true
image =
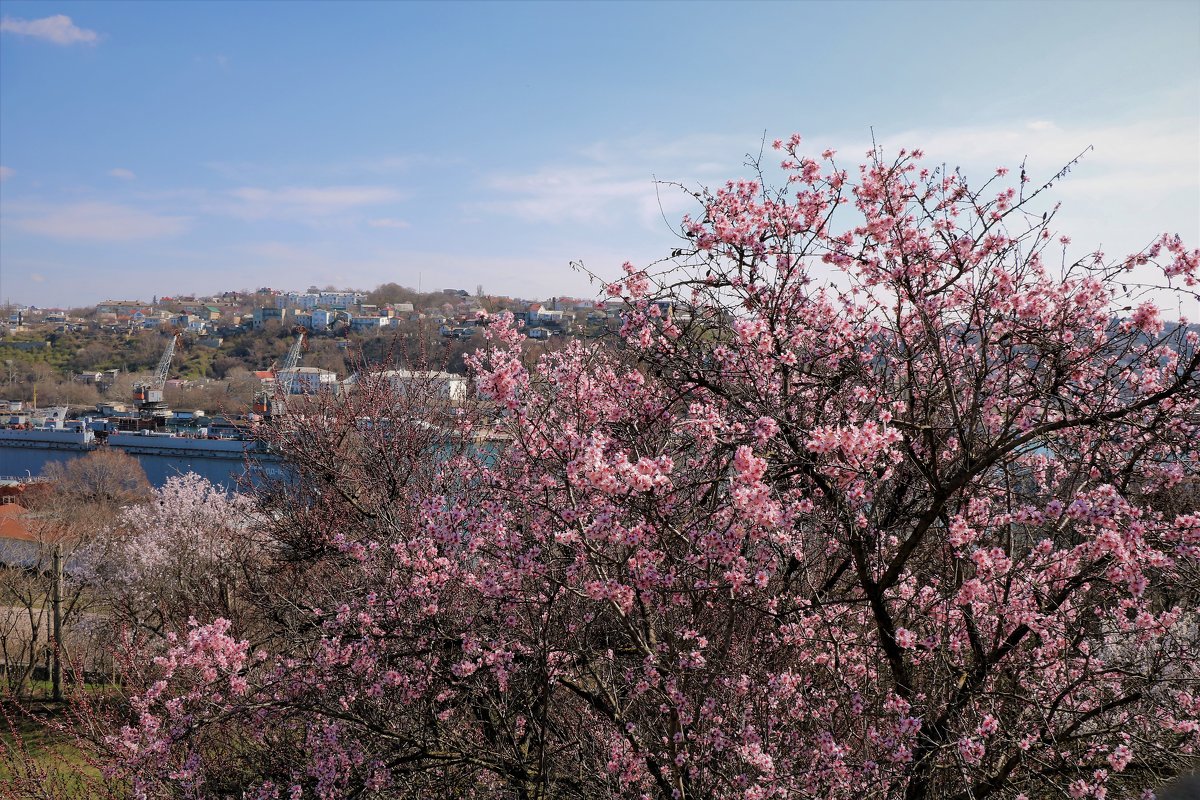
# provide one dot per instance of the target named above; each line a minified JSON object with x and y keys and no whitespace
{"x":154,"y":148}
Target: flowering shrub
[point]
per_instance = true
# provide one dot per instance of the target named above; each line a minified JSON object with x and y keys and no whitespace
{"x":191,"y":551}
{"x":854,"y":509}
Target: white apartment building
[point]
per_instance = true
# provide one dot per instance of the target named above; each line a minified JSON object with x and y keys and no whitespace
{"x":339,"y":299}
{"x":446,"y":384}
{"x":367,"y":324}
{"x":322,"y":318}
{"x":307,"y":380}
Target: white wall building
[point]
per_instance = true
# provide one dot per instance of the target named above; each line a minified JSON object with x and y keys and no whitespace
{"x":367,"y":324}
{"x":445,"y":384}
{"x":307,"y":380}
{"x":339,"y":299}
{"x":322,"y":318}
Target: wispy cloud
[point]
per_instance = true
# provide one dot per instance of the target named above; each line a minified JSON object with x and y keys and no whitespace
{"x":6,"y":173}
{"x":97,"y":221}
{"x":612,"y":181}
{"x":277,"y":251}
{"x":219,"y":60}
{"x":1160,"y":151}
{"x":568,"y":194}
{"x":615,"y":181}
{"x":305,"y":202}
{"x":388,"y":222}
{"x":367,"y":170}
{"x":1138,"y":179}
{"x":687,"y":151}
{"x":58,"y":29}
{"x":387,"y":165}
{"x":122,"y":173}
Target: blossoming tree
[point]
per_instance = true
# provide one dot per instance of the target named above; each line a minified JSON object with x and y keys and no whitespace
{"x":864,"y":502}
{"x":191,"y":551}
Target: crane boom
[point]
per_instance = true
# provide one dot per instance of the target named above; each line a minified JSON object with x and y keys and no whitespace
{"x":272,"y":403}
{"x":293,"y":356}
{"x":148,"y":395}
{"x":164,"y":364}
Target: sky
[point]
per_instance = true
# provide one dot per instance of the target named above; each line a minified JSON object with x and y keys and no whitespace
{"x":186,"y":147}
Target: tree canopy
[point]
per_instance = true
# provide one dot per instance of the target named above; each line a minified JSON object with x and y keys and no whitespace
{"x":865,"y":501}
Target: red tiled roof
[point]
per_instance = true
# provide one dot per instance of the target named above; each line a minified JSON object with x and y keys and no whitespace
{"x":11,"y":524}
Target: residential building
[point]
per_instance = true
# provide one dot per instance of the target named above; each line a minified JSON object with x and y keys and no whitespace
{"x":265,"y":314}
{"x":445,"y":384}
{"x":121,"y":307}
{"x":322,"y":318}
{"x":340,"y":299}
{"x":307,"y":380}
{"x":305,"y":301}
{"x":366,"y":324}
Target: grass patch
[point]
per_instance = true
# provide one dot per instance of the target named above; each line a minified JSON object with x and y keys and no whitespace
{"x":38,"y":755}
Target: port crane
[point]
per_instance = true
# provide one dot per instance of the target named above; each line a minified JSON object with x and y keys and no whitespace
{"x":148,"y":395}
{"x":293,"y":357}
{"x":272,"y":404}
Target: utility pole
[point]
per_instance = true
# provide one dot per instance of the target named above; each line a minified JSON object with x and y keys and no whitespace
{"x":56,"y":602}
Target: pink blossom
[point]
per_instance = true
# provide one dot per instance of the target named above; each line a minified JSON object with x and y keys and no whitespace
{"x":1119,"y":758}
{"x":1148,"y":319}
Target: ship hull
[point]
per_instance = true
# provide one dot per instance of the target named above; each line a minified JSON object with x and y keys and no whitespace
{"x":230,"y":463}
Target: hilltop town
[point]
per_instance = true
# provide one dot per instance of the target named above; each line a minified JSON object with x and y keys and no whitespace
{"x":233,"y":343}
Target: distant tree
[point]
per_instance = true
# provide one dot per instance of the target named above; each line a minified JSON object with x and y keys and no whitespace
{"x":68,"y":392}
{"x":391,"y":293}
{"x":103,"y":481}
{"x":324,"y":354}
{"x":190,"y":550}
{"x":95,"y":355}
{"x":240,"y":388}
{"x":223,"y":364}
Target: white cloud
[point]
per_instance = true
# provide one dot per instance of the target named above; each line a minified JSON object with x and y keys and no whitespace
{"x":277,"y":251}
{"x":122,"y":173}
{"x":58,"y":29}
{"x":581,"y":194}
{"x":219,"y":60}
{"x":1148,"y":169}
{"x":305,"y":203}
{"x":1160,"y":149}
{"x":587,"y":194}
{"x":388,"y":163}
{"x":614,"y":182}
{"x":621,"y":181}
{"x":387,"y":222}
{"x":6,"y":173}
{"x":98,"y":221}
{"x":658,"y":153}
{"x":1139,"y":178}
{"x":37,"y":277}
